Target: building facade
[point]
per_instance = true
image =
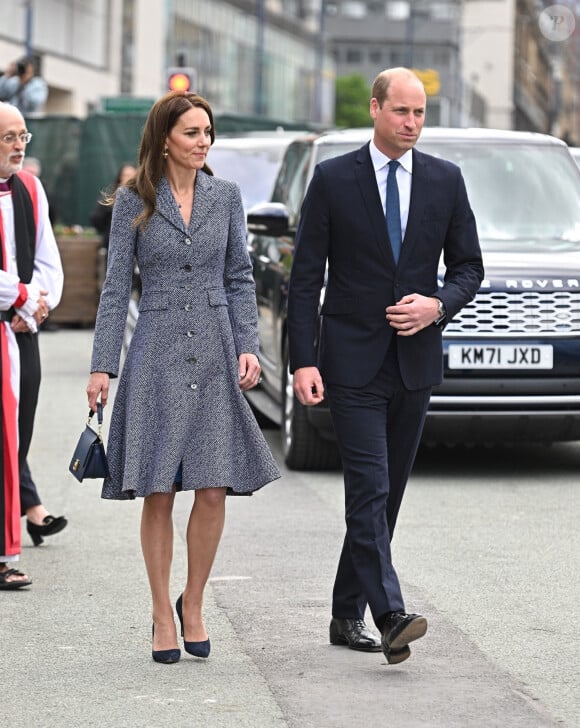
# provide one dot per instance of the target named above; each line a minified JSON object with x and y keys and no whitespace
{"x":249,"y":56}
{"x":367,"y":36}
{"x":531,"y":81}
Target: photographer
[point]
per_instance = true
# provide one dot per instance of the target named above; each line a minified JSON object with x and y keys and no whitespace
{"x":21,"y":87}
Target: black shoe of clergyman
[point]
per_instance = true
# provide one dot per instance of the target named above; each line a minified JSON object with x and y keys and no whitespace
{"x":400,"y":629}
{"x":354,"y":634}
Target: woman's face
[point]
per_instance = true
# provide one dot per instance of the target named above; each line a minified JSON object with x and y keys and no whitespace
{"x":189,"y":141}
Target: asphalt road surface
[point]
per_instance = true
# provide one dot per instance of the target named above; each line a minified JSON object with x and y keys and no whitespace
{"x":486,"y":548}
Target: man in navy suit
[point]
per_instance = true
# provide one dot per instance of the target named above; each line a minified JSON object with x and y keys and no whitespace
{"x":381,"y":228}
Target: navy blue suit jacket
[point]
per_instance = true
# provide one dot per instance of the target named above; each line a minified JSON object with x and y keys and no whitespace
{"x":343,"y":223}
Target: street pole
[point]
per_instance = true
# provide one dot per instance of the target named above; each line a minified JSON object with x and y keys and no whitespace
{"x":28,"y":27}
{"x":259,"y":85}
{"x":409,"y":55}
{"x":319,"y":85}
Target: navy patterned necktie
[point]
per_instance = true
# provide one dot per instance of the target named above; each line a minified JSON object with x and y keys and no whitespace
{"x":393,"y":210}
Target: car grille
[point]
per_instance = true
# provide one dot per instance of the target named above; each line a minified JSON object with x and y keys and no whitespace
{"x":521,"y":313}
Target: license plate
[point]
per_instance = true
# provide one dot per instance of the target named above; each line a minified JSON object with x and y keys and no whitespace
{"x":504,"y":356}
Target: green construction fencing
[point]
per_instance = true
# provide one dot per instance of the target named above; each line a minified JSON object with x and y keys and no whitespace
{"x":81,"y":157}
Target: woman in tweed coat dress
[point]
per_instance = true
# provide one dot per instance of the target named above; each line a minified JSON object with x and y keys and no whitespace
{"x":180,"y":420}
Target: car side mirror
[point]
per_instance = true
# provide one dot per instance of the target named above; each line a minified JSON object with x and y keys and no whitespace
{"x":269,"y":218}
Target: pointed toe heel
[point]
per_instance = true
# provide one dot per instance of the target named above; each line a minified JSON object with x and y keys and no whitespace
{"x":197,"y":649}
{"x":167,"y":657}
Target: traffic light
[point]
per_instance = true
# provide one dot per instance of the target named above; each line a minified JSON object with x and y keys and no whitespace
{"x":181,"y":78}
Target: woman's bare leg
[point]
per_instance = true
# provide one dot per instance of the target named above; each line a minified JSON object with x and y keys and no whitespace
{"x":157,"y":546}
{"x":204,"y":530}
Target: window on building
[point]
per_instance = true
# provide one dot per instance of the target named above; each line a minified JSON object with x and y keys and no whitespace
{"x":353,"y":55}
{"x":353,"y":9}
{"x":376,"y":8}
{"x":397,"y":57}
{"x":78,"y":28}
{"x":443,"y":10}
{"x":376,"y":56}
{"x":398,"y":10}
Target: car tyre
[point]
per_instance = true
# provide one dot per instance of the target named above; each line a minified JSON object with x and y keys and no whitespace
{"x":302,"y":445}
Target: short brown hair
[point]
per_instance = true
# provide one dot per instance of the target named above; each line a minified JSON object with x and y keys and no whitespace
{"x":380,"y":90}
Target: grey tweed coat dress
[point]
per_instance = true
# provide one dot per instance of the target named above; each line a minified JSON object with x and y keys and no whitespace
{"x":178,"y":400}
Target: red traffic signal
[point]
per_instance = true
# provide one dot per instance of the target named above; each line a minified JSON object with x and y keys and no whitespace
{"x":181,"y":78}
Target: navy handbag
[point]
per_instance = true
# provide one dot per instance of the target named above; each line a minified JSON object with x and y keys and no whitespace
{"x":89,"y":459}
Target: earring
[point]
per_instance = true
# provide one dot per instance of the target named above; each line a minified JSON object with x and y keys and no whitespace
{"x":165,"y":153}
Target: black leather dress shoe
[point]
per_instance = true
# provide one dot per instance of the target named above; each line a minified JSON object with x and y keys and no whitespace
{"x":398,"y":630}
{"x":354,"y":634}
{"x":396,"y":656}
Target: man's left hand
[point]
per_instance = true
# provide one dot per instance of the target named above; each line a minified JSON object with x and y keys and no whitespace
{"x":412,"y":314}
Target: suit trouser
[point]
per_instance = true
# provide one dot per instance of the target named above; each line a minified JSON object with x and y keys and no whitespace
{"x":29,"y":388}
{"x":378,"y":429}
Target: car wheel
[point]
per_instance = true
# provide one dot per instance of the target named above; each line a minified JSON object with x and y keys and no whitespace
{"x":302,"y":445}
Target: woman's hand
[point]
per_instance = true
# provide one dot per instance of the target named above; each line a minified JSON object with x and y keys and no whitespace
{"x":98,"y":387}
{"x":249,"y":369}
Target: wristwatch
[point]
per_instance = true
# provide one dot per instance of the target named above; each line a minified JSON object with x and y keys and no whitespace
{"x":441,"y":312}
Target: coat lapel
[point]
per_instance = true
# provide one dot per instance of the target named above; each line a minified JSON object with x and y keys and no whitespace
{"x":167,"y":207}
{"x":367,"y":181}
{"x":204,"y":200}
{"x":419,"y":197}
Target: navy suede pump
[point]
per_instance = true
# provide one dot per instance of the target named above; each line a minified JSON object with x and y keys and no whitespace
{"x":168,"y":657}
{"x":197,"y":649}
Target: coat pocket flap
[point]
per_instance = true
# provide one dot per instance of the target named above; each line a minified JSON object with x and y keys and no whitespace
{"x":217,"y":297}
{"x":154,"y":301}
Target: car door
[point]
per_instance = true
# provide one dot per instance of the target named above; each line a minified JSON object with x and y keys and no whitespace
{"x":272,"y":260}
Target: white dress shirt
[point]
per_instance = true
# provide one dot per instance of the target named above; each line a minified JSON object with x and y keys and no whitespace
{"x":404,"y":178}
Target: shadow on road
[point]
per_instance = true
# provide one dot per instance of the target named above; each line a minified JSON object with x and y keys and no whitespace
{"x":502,"y":460}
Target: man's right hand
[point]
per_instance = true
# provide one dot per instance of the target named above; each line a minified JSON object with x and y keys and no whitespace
{"x":308,"y":385}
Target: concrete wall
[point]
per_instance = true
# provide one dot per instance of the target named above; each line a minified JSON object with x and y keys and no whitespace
{"x":488,"y":56}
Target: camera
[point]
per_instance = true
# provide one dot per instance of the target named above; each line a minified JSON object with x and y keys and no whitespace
{"x":21,"y":66}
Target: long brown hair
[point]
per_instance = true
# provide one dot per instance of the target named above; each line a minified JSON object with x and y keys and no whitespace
{"x":151,"y":164}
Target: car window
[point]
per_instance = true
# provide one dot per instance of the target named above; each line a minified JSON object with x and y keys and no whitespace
{"x":291,"y":183}
{"x":519,"y":191}
{"x":254,"y":169}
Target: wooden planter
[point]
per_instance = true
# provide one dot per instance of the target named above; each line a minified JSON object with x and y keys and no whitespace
{"x":80,"y":297}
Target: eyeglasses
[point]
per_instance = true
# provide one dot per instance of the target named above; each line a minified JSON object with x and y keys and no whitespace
{"x":11,"y":138}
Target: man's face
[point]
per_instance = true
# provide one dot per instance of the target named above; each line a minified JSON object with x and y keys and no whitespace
{"x":11,"y":154}
{"x":399,"y":122}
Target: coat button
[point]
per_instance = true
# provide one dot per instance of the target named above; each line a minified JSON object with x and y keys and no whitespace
{"x":190,"y":333}
{"x":192,"y":360}
{"x":193,"y":386}
{"x":188,"y":287}
{"x":187,"y":267}
{"x":187,"y":241}
{"x":187,"y":306}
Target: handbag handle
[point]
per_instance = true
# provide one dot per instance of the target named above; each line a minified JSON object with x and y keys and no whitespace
{"x":99,"y":418}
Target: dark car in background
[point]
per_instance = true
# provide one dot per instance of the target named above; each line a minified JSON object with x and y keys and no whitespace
{"x":511,"y":356}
